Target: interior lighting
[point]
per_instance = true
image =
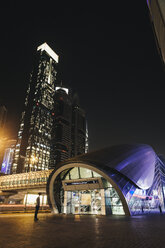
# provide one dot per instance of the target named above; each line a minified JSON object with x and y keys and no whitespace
{"x":34,"y":159}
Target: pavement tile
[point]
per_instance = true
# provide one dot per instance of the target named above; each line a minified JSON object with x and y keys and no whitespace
{"x":62,"y":231}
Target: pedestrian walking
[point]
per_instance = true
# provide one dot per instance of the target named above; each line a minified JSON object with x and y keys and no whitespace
{"x":37,"y":207}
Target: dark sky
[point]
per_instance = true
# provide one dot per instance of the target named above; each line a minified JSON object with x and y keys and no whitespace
{"x":107,"y":54}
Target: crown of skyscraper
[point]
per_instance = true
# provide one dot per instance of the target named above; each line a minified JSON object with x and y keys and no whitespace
{"x":49,"y":51}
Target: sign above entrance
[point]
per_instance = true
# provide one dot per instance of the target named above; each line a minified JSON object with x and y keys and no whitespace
{"x":82,"y":184}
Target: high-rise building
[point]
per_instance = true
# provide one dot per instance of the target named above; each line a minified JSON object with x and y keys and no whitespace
{"x":53,"y":126}
{"x":61,"y":135}
{"x":157,"y":13}
{"x":34,"y":137}
{"x":69,"y":132}
{"x":78,"y":129}
{"x":8,"y":156}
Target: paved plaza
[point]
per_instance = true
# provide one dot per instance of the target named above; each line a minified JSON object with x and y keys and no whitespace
{"x":20,"y":230}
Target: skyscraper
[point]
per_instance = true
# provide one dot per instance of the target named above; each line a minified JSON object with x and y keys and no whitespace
{"x":69,"y":129}
{"x":157,"y":13}
{"x":34,"y":137}
{"x":53,"y":126}
{"x":78,"y":128}
{"x":62,"y":124}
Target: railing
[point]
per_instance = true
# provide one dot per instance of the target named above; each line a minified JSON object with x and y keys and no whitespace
{"x":24,"y":180}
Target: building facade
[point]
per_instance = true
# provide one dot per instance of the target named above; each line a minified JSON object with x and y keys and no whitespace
{"x":157,"y":14}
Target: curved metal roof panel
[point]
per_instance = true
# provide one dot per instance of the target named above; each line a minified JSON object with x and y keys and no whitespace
{"x":136,"y":162}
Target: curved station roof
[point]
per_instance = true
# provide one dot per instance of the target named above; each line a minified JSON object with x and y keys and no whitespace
{"x":136,"y":162}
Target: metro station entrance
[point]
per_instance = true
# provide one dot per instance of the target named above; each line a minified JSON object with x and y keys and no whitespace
{"x":83,"y":191}
{"x":84,"y":202}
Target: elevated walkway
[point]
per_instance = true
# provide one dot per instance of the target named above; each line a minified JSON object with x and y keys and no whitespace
{"x":22,"y":181}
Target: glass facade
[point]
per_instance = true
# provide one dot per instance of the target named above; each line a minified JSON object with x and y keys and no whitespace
{"x":84,"y":202}
{"x":150,"y":200}
{"x":84,"y":191}
{"x":143,"y":200}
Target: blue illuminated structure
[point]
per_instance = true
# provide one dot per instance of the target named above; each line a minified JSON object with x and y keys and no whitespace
{"x":126,"y":179}
{"x":7,"y":161}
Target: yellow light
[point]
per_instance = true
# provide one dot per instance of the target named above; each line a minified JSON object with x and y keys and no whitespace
{"x":34,"y":159}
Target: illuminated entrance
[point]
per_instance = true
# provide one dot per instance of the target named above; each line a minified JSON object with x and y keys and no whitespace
{"x":83,"y":191}
{"x":84,"y":202}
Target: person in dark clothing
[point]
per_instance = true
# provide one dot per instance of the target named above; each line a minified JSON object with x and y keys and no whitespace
{"x":37,"y":206}
{"x":160,"y":208}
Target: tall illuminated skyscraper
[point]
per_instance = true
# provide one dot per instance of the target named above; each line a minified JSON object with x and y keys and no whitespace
{"x":53,"y":126}
{"x":34,"y":137}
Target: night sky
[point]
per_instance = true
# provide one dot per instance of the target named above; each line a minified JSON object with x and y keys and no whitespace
{"x":108,"y":55}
